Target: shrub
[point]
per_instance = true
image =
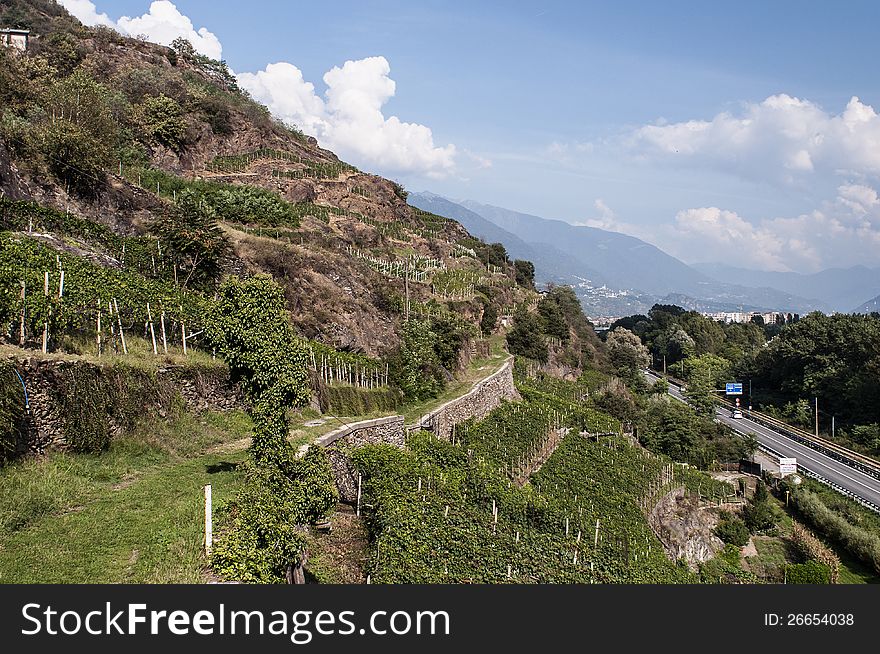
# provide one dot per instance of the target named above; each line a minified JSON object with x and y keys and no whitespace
{"x":264,"y":539}
{"x":760,"y":514}
{"x":811,"y":572}
{"x":163,"y":121}
{"x":732,"y":530}
{"x":12,"y":413}
{"x":75,"y":157}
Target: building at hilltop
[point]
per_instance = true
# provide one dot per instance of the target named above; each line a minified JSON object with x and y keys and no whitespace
{"x":13,"y":38}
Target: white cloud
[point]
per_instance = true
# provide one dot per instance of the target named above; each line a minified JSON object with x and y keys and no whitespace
{"x":161,"y":24}
{"x":783,"y":138}
{"x":349,"y":118}
{"x":844,"y":231}
{"x":86,"y":12}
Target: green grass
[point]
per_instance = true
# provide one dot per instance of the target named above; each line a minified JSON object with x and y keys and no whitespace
{"x":133,"y":514}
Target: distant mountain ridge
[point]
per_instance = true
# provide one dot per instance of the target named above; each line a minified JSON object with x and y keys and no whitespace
{"x":871,"y":306}
{"x":590,"y":258}
{"x":551,"y":264}
{"x":841,"y":289}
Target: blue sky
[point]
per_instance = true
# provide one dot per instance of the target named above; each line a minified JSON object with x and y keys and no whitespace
{"x":717,"y":131}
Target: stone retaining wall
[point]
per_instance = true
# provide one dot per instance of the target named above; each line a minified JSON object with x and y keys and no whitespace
{"x":381,"y":430}
{"x":485,"y":396}
{"x":46,"y":380}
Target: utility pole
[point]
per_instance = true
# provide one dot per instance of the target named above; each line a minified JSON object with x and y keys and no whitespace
{"x":664,"y":365}
{"x":817,"y":416}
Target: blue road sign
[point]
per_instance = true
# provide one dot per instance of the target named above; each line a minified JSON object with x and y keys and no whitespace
{"x":733,"y":388}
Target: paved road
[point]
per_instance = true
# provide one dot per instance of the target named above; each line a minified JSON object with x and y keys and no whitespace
{"x":856,"y":482}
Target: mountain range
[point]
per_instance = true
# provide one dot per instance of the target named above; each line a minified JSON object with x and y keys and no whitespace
{"x":843,"y":289}
{"x":614,"y":273}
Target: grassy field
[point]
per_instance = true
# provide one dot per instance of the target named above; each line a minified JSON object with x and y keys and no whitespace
{"x":134,"y":514}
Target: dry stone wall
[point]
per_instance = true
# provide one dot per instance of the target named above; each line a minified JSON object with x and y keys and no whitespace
{"x":485,"y":396}
{"x":381,"y":430}
{"x":48,"y":382}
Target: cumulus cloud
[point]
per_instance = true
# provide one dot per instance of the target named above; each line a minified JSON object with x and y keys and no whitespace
{"x":782,"y":138}
{"x":844,"y":231}
{"x":86,"y":12}
{"x":161,"y":24}
{"x":348,"y":118}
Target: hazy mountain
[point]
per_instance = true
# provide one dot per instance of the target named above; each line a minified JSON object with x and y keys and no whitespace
{"x":551,"y":264}
{"x":839,"y":288}
{"x":870,"y":306}
{"x":626,"y":262}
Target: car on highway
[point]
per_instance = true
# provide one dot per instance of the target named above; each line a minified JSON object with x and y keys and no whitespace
{"x":736,"y":413}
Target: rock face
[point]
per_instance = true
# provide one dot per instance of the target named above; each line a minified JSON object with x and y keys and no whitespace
{"x":685,"y":527}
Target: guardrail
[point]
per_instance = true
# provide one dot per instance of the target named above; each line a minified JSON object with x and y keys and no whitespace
{"x":853,"y":459}
{"x":835,"y":451}
{"x":822,"y":480}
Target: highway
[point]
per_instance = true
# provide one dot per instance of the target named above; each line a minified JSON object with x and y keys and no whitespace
{"x":846,"y":477}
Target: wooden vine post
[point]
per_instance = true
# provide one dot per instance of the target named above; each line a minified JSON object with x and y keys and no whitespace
{"x":98,"y":329}
{"x":22,"y":334}
{"x":119,"y":323}
{"x":46,"y":323}
{"x":152,"y":329}
{"x":162,"y":326}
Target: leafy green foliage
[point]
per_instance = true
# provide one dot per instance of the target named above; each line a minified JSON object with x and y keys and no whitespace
{"x":26,"y":260}
{"x":761,"y":514}
{"x":234,"y":203}
{"x":811,"y":572}
{"x":489,"y":319}
{"x":265,"y":538}
{"x":837,"y":518}
{"x":732,"y":530}
{"x":672,"y":428}
{"x":251,"y":329}
{"x":525,"y":273}
{"x":628,"y":355}
{"x":191,"y":236}
{"x":416,"y":368}
{"x":835,"y":357}
{"x":526,"y":337}
{"x":13,"y":424}
{"x":249,"y":326}
{"x":163,"y":121}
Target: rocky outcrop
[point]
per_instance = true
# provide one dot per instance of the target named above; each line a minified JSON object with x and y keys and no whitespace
{"x":685,"y":526}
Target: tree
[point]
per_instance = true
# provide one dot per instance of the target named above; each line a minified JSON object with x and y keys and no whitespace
{"x":525,"y":337}
{"x":415,"y":367}
{"x":162,"y":119}
{"x":489,"y":319}
{"x":525,"y":273}
{"x":700,"y":386}
{"x":628,"y":355}
{"x":189,"y":233}
{"x":553,"y":320}
{"x":250,"y":328}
